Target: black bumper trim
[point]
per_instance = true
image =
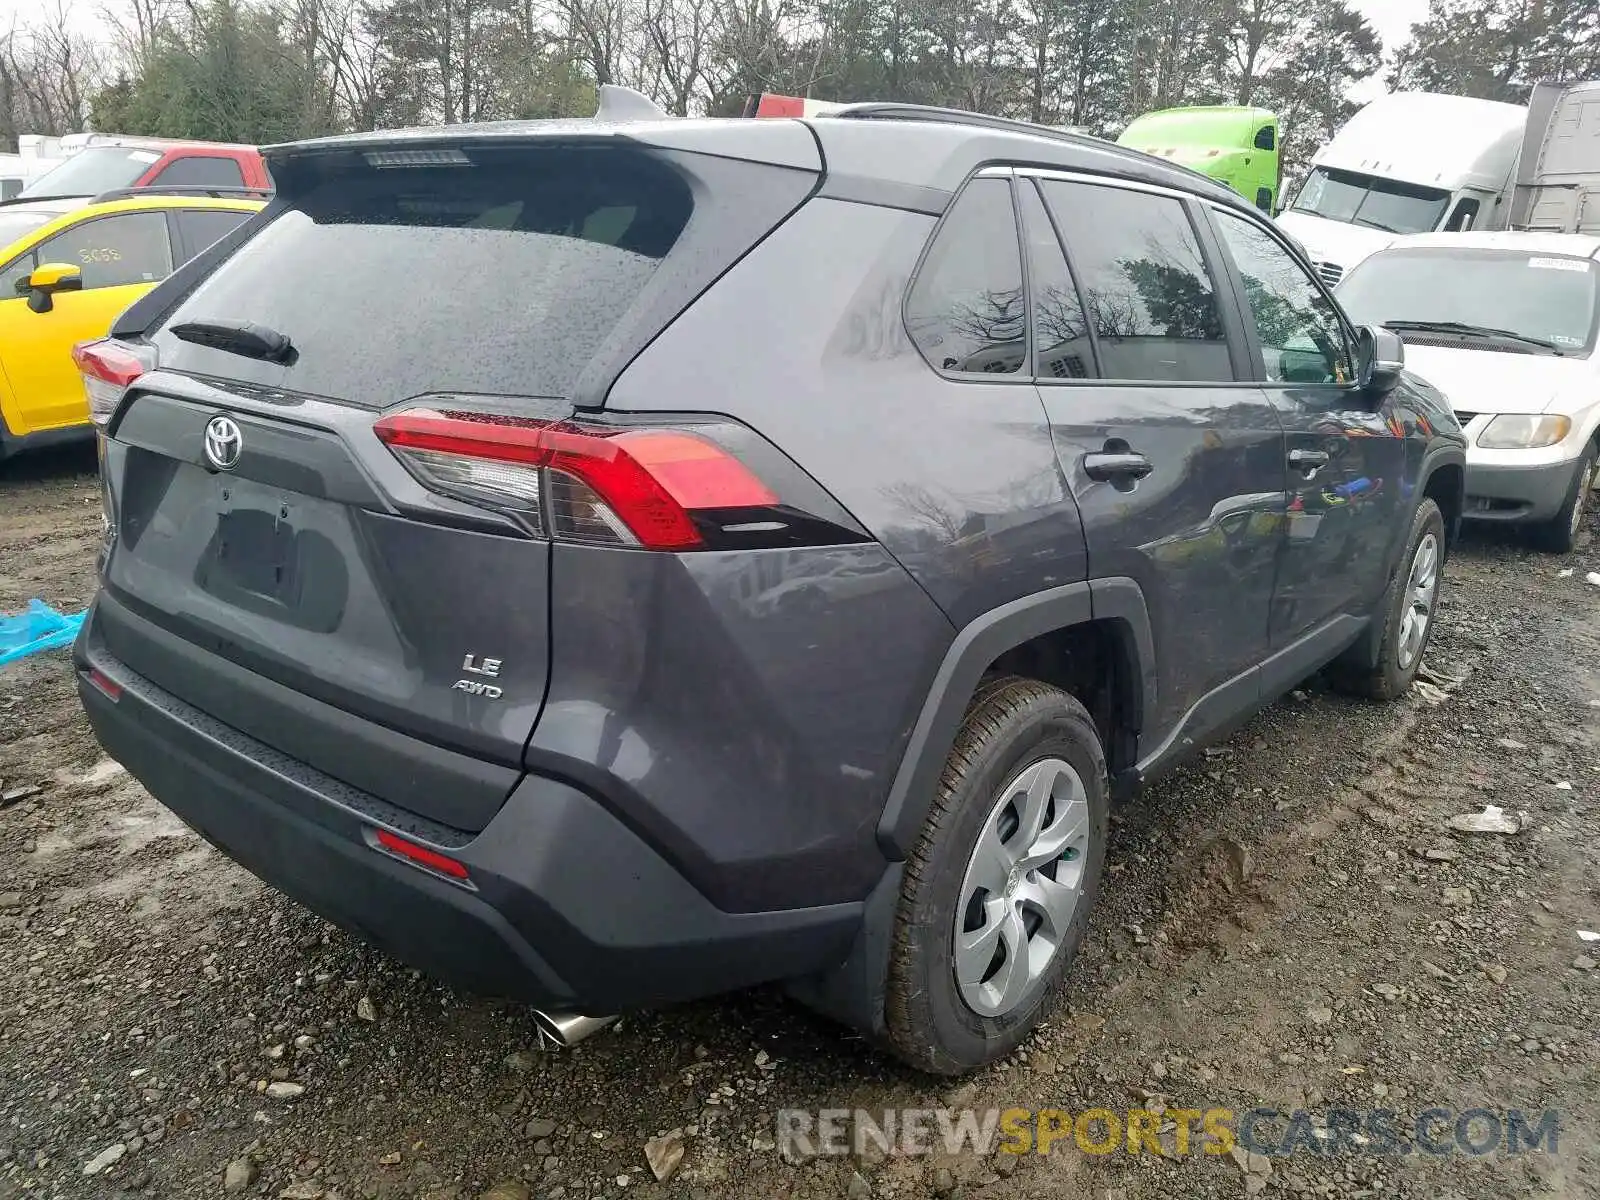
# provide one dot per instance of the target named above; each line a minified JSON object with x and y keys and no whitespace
{"x":572,"y":909}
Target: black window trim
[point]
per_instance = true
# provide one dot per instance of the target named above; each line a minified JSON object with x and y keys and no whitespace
{"x":1219,"y":269}
{"x":1257,"y":362}
{"x":1091,"y":334}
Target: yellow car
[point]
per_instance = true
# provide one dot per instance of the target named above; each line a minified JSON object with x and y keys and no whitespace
{"x":67,"y":269}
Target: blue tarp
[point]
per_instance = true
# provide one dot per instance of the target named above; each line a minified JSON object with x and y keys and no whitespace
{"x":40,"y":627}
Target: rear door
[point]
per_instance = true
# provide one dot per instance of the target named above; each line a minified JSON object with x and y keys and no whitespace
{"x":1175,"y":459}
{"x":121,"y":257}
{"x":1346,"y":460}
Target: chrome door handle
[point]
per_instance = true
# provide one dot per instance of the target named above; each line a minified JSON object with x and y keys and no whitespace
{"x":1107,"y":467}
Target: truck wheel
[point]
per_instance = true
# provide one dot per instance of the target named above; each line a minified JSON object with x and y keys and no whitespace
{"x":1559,"y":535}
{"x":1408,"y":610}
{"x":999,"y":887}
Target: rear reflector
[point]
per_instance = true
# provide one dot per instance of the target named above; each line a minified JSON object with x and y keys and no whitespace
{"x":420,"y":855}
{"x":103,"y":683}
{"x":590,"y":483}
{"x":109,"y":366}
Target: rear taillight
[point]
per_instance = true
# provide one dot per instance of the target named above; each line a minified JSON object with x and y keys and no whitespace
{"x":606,"y":485}
{"x":108,"y":367}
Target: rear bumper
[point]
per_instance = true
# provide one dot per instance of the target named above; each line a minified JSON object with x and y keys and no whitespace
{"x":1506,"y":493}
{"x":567,"y":908}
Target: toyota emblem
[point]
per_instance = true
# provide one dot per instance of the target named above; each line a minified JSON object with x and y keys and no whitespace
{"x":223,"y":443}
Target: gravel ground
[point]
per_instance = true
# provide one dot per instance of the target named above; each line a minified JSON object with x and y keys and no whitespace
{"x":1288,"y":924}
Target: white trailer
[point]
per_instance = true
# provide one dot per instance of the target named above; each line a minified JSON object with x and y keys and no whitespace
{"x":1557,"y":188}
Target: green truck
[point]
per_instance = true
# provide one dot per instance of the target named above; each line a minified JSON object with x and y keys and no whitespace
{"x":1236,"y":145}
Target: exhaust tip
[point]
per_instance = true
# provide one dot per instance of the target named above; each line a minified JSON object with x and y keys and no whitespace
{"x":568,"y":1029}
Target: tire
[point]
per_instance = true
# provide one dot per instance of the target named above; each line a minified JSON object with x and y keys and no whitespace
{"x":1016,"y":731}
{"x":1559,"y":535}
{"x":1399,"y":656}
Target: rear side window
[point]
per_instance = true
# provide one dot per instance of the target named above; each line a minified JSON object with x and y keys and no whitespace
{"x":201,"y":227}
{"x":201,"y":170}
{"x":1150,"y":299}
{"x":502,"y":277}
{"x":967,"y":312}
{"x":113,"y":251}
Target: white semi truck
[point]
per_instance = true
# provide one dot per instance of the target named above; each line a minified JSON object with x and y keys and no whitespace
{"x":1408,"y":162}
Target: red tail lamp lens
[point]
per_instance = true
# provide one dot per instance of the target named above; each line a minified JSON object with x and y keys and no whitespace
{"x":640,"y":485}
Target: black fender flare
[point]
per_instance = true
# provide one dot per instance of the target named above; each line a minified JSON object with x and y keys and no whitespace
{"x":1435,"y":457}
{"x":979,"y":643}
{"x":853,"y":992}
{"x":1444,"y":455}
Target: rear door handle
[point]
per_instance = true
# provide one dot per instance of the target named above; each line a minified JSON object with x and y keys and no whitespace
{"x":1108,"y":467}
{"x":1308,"y":461}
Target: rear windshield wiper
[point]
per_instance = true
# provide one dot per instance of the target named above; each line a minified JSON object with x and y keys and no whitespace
{"x":244,"y":338}
{"x":1487,"y":331}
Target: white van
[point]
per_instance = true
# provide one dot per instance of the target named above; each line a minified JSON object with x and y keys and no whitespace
{"x":1409,"y":162}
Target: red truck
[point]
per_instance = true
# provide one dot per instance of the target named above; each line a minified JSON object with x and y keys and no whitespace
{"x":108,"y":162}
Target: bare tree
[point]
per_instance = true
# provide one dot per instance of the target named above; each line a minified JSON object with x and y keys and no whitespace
{"x":679,"y":34}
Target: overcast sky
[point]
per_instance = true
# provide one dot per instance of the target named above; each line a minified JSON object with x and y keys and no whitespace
{"x":1393,"y":18}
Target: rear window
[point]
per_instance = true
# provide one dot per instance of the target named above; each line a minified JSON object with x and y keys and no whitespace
{"x":201,"y":170}
{"x":501,"y":277}
{"x":94,"y":170}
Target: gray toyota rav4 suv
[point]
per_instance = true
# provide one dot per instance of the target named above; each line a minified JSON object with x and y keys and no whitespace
{"x":612,"y":562}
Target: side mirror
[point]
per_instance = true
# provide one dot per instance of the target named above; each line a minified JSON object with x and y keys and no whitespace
{"x":1381,"y":358}
{"x":46,"y":280}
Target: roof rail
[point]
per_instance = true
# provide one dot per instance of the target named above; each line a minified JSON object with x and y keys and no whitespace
{"x":888,"y":110}
{"x":768,"y":104}
{"x":219,"y":193}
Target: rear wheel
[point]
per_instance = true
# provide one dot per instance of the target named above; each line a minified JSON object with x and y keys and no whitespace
{"x":1560,"y":534}
{"x":1000,"y":884}
{"x":1408,"y":611}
